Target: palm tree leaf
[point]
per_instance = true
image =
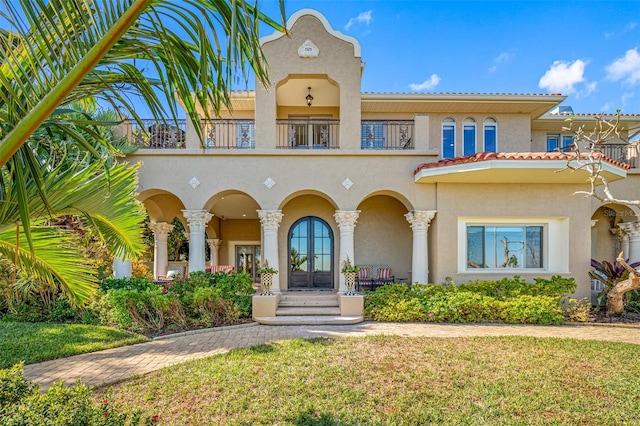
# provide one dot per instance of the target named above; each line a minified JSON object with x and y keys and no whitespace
{"x":55,"y":260}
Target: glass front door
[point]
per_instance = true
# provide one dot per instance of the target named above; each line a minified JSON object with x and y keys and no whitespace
{"x":310,"y":255}
{"x":248,"y":260}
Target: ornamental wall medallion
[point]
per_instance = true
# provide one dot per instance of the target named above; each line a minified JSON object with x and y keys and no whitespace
{"x":308,"y":50}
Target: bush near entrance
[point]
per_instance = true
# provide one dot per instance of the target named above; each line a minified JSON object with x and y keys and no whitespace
{"x":509,"y":300}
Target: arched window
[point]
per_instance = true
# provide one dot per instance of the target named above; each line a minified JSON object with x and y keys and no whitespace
{"x":469,"y":136}
{"x":490,"y":135}
{"x":448,"y":138}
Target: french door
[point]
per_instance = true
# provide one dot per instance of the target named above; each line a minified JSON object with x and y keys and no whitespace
{"x":310,"y":255}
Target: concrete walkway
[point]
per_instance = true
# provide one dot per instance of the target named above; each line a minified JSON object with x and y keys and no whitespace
{"x":100,"y":368}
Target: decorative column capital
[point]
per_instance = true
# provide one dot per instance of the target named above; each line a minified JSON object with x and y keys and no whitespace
{"x":346,"y":218}
{"x":420,"y":219}
{"x":214,"y":242}
{"x":160,"y":227}
{"x":197,"y":217}
{"x":630,"y":228}
{"x":270,"y":218}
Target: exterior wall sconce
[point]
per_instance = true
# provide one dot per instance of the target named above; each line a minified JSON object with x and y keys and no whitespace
{"x":309,"y":98}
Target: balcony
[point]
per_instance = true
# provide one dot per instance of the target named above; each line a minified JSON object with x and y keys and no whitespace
{"x":622,"y":152}
{"x":151,"y":133}
{"x":307,"y":134}
{"x":229,"y":134}
{"x":387,"y":134}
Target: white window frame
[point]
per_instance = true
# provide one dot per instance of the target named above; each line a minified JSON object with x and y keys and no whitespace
{"x":562,"y":145}
{"x":555,"y":244}
{"x":489,"y":121}
{"x":469,"y":122}
{"x":448,"y":122}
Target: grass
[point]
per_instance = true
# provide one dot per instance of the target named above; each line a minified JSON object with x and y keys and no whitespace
{"x":36,"y":342}
{"x":390,"y":380}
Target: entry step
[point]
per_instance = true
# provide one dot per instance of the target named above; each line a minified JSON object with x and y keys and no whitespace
{"x":309,"y":320}
{"x":307,"y":310}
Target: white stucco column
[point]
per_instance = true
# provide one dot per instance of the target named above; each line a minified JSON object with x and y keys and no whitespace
{"x":160,"y":253}
{"x":346,"y":220}
{"x":420,"y":220}
{"x":121,"y":268}
{"x":214,"y":247}
{"x":270,"y":221}
{"x":632,"y":231}
{"x":197,"y":220}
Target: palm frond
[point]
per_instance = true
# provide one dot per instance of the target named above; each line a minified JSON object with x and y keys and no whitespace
{"x":55,"y":260}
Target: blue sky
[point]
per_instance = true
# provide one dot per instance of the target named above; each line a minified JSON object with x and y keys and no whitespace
{"x":588,"y":50}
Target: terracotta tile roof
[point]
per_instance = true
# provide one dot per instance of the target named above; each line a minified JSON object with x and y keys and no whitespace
{"x":462,"y":94}
{"x":587,"y":114}
{"x":487,"y":156}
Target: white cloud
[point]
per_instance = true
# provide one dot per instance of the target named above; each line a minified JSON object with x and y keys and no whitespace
{"x":563,"y":77}
{"x":500,"y":59}
{"x":428,"y":84}
{"x":627,"y":68}
{"x":631,"y":26}
{"x":626,"y":98}
{"x":363,"y":18}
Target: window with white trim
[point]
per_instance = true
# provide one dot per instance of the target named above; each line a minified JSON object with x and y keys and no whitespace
{"x":448,"y":138}
{"x":539,"y":244}
{"x":505,"y":246}
{"x":490,"y":135}
{"x":468,"y":136}
{"x":559,"y":142}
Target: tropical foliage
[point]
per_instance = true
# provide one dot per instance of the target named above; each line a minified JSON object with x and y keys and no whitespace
{"x":197,"y":300}
{"x":509,"y":300}
{"x":60,"y":57}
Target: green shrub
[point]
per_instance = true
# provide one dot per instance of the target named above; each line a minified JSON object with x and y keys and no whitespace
{"x":128,"y":283}
{"x":528,"y":309}
{"x":238,"y":288}
{"x":510,"y":299}
{"x":461,"y":307}
{"x":61,"y":311}
{"x":576,"y":310}
{"x":515,"y":286}
{"x":136,"y":310}
{"x":401,"y":310}
{"x":214,"y":309}
{"x":13,"y":388}
{"x":26,"y":311}
{"x":21,"y":404}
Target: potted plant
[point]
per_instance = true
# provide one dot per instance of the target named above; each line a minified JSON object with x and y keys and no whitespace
{"x":266,"y":277}
{"x":350,"y":271}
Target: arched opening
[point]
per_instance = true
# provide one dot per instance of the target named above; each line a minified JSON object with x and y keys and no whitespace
{"x":310,"y":265}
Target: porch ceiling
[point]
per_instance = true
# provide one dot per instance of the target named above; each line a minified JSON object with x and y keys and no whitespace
{"x":235,"y":206}
{"x":533,"y":105}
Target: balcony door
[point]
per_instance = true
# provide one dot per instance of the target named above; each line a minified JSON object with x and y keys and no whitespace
{"x":310,"y":255}
{"x":310,"y":131}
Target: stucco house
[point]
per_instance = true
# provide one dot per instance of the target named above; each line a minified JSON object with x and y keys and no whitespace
{"x":312,"y":170}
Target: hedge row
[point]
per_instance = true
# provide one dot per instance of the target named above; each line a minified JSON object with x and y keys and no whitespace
{"x":510,"y":300}
{"x":199,"y":299}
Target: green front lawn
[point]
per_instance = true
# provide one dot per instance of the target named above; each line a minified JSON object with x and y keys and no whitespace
{"x":36,"y":342}
{"x":389,"y":380}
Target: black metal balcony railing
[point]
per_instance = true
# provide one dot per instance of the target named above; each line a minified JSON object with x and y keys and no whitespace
{"x":387,"y":134}
{"x":622,"y":152}
{"x":229,"y":134}
{"x":151,"y":133}
{"x":307,"y":134}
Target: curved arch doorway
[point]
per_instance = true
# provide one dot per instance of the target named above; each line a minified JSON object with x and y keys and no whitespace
{"x":310,"y":255}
